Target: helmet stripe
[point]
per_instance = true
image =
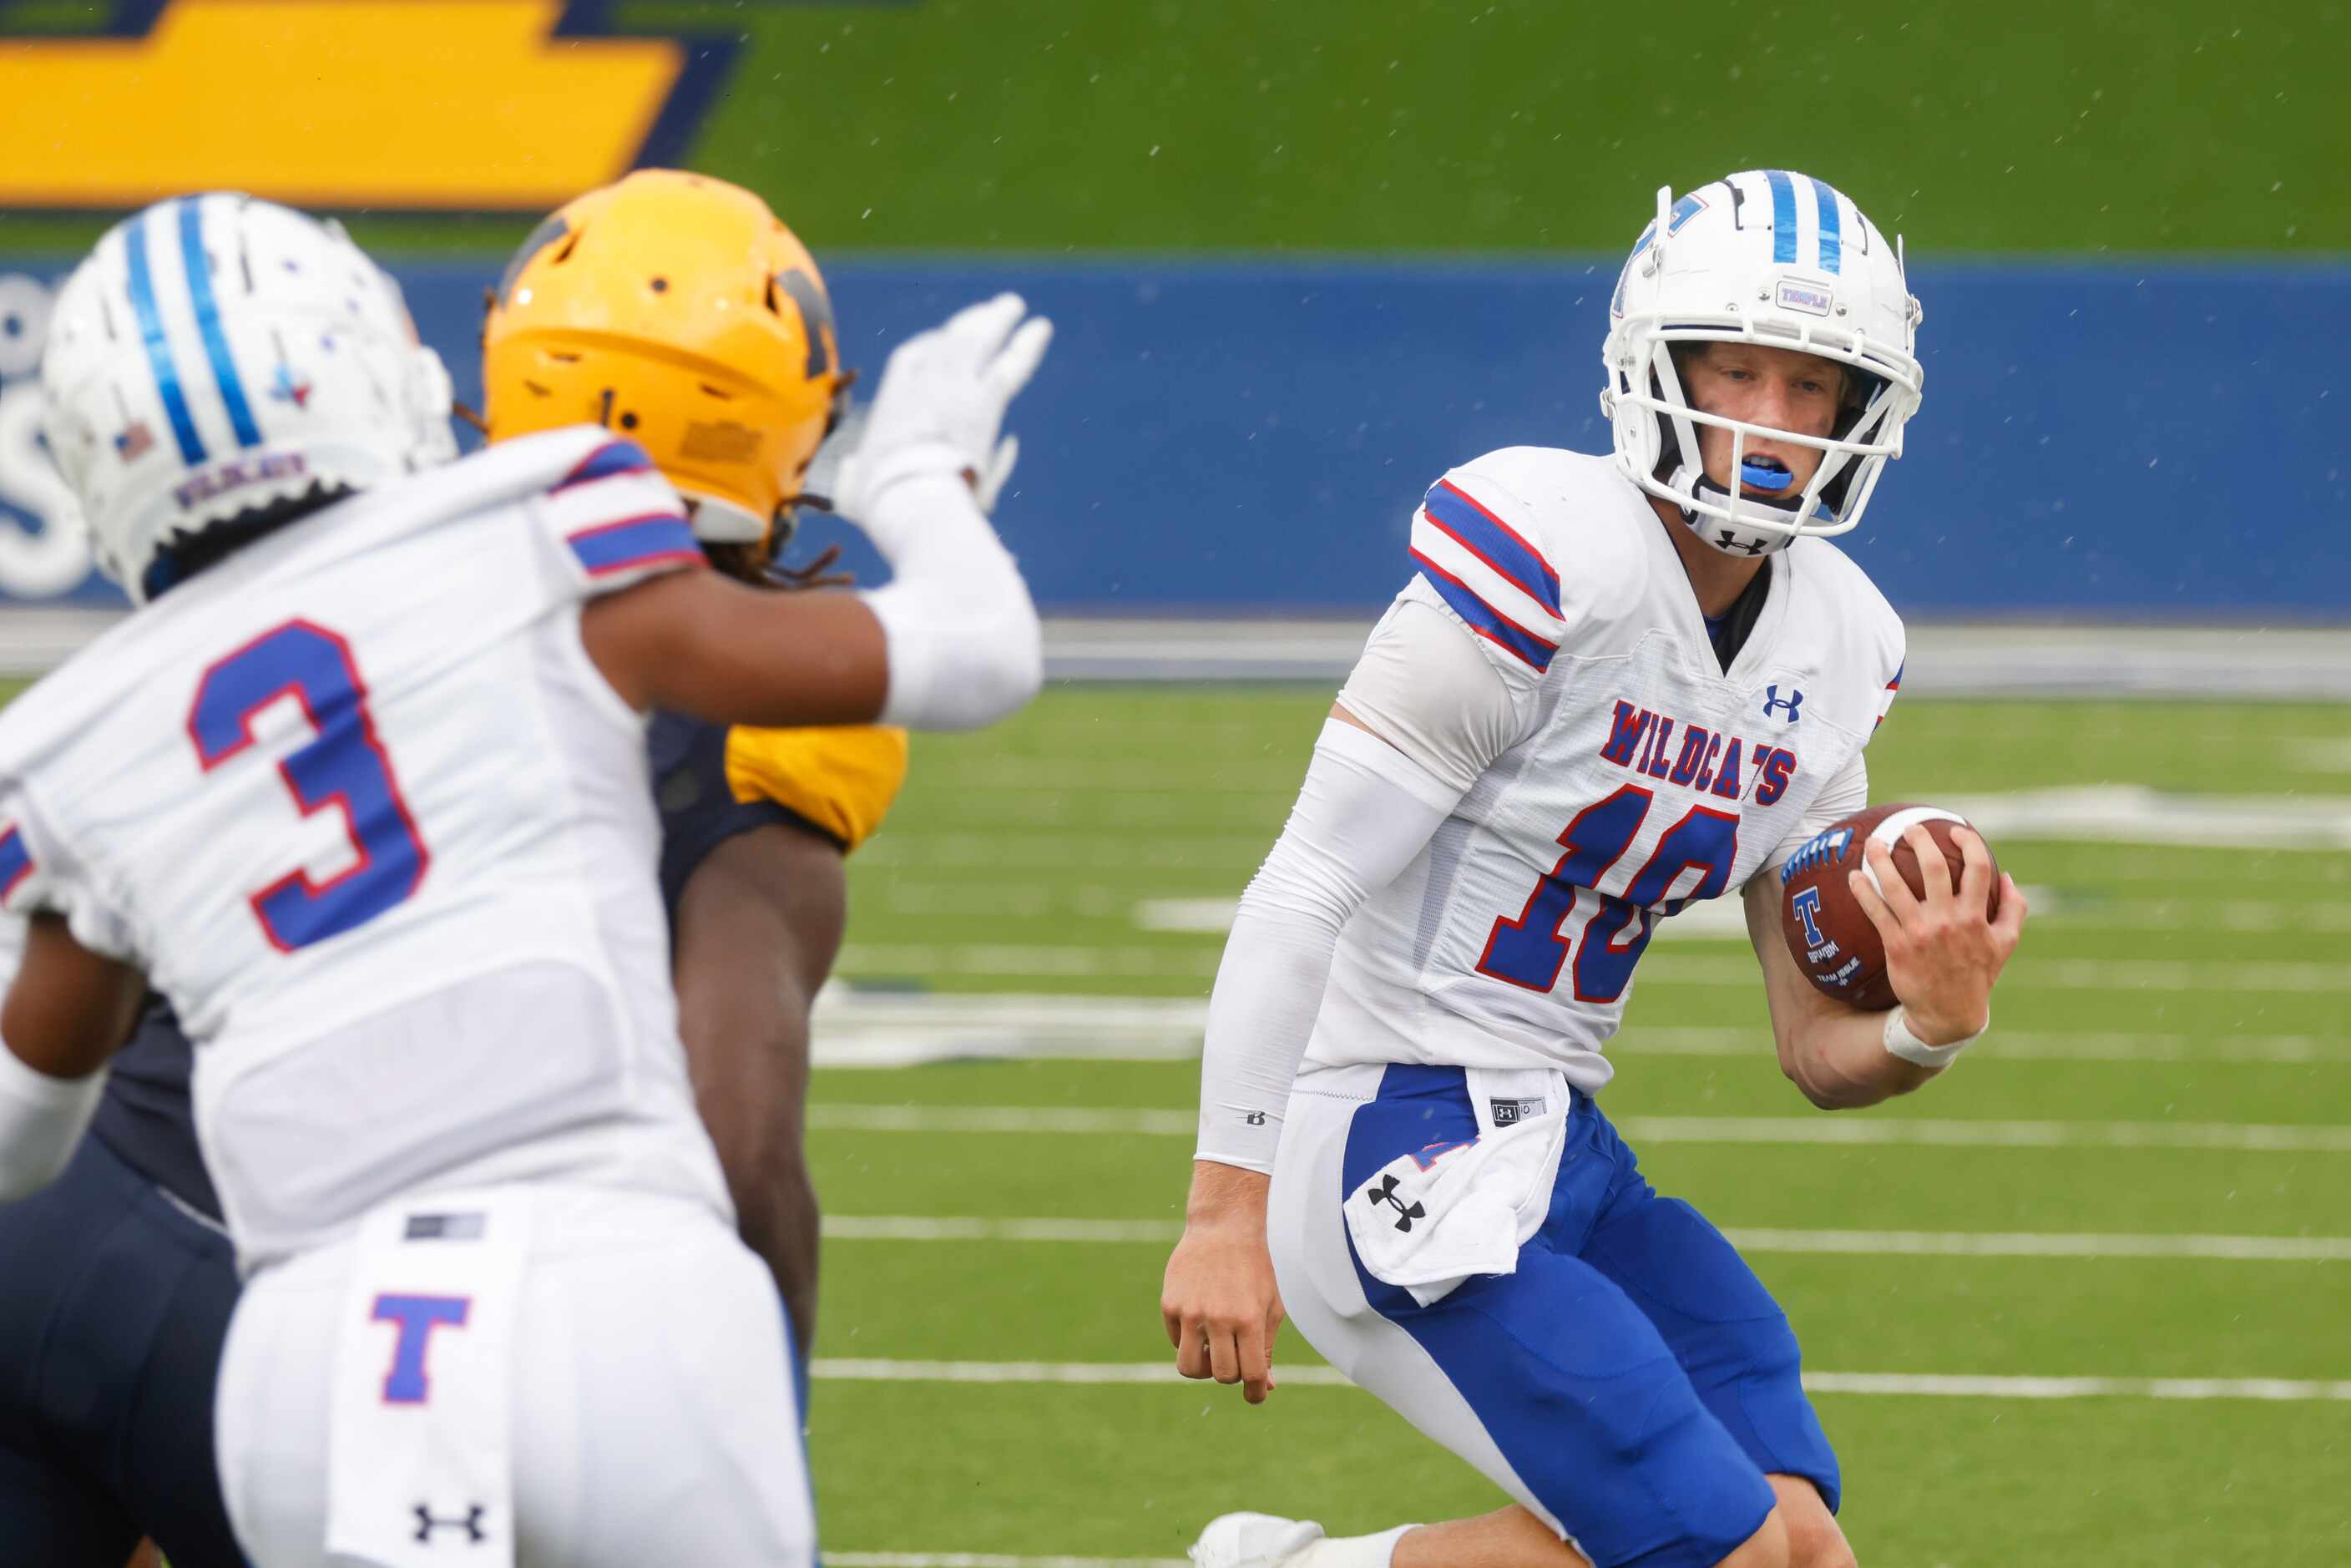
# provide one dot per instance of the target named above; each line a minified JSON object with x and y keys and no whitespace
{"x":208,"y":322}
{"x":1784,"y":216}
{"x":1832,"y":230}
{"x":159,"y":348}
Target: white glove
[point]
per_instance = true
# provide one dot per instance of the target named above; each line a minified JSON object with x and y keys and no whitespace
{"x":941,"y":407}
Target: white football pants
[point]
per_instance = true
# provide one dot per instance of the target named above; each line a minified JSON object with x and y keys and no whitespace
{"x":653,"y":1412}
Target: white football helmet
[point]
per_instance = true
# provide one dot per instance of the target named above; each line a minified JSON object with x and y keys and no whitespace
{"x":1783,"y":260}
{"x":216,"y":354}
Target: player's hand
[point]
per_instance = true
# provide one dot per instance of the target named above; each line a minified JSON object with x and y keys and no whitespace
{"x":1219,"y":1303}
{"x":1942,"y":954}
{"x":940,"y":408}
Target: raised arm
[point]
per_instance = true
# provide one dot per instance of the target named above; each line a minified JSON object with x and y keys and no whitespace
{"x":952,"y":642}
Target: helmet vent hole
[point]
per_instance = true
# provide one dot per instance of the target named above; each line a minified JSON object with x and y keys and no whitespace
{"x":564,"y":254}
{"x":562,"y":358}
{"x":628,"y":422}
{"x":661,"y":286}
{"x":718,"y":392}
{"x":773,"y":307}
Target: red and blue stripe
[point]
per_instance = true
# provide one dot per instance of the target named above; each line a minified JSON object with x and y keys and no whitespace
{"x":16,"y":861}
{"x":1485,"y":619}
{"x":1459,"y":515}
{"x":633,"y":543}
{"x":615,"y":457}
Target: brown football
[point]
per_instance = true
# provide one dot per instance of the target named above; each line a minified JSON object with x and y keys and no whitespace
{"x":1830,"y":937}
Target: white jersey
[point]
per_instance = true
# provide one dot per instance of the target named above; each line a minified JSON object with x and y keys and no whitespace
{"x":1644,"y":776}
{"x":357,"y":802}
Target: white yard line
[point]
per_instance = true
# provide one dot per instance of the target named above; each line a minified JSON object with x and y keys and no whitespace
{"x":1938,"y":1384}
{"x":1030,"y":1121}
{"x":988,"y":1560}
{"x":1045,"y":961}
{"x":898,"y":1028}
{"x":1839,"y":1243}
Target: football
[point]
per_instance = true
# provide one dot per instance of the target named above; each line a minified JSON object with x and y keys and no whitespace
{"x":1827,"y":932}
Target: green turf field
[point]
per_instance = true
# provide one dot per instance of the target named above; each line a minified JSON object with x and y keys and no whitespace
{"x":1533,"y":125}
{"x":2138,"y":1179}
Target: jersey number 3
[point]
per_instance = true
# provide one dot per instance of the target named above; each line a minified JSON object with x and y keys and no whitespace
{"x":341,"y":769}
{"x":1529,"y":950}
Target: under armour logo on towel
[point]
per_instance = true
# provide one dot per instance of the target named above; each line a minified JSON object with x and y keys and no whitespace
{"x":427,"y":1525}
{"x":1385,"y":1193}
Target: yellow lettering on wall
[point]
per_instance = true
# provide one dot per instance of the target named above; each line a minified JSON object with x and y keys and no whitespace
{"x":339,"y":103}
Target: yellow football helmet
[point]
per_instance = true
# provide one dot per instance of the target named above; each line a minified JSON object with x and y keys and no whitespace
{"x":680,"y":310}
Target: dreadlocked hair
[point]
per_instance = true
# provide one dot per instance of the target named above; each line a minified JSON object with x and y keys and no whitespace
{"x":756,"y":565}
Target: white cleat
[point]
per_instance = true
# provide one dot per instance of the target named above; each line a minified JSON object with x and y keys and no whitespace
{"x":1254,"y":1541}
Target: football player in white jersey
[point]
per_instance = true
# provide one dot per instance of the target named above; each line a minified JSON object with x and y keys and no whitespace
{"x":360,"y":787}
{"x":1614,"y":686}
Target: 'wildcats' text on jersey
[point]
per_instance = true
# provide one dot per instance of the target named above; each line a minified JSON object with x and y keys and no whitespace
{"x":1646,"y":776}
{"x":360,"y":807}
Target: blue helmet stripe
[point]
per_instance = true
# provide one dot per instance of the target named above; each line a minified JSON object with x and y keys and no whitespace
{"x":208,"y":322}
{"x":1831,"y":229}
{"x":1784,"y":216}
{"x":158,"y":350}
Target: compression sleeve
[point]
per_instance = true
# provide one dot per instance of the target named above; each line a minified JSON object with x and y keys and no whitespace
{"x":1365,"y":811}
{"x":965,"y":644}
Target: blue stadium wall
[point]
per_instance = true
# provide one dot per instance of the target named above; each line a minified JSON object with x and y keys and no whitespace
{"x":2107,"y":441}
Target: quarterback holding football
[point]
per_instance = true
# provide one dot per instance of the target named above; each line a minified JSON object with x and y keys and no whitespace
{"x":1614,"y":686}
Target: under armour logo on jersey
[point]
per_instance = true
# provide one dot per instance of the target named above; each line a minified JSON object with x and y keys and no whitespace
{"x":1385,"y":1193}
{"x":1730,"y":541}
{"x":427,"y":1525}
{"x":1772,"y":701}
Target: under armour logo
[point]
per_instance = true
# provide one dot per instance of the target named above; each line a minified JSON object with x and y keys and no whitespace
{"x":1385,"y":1193}
{"x":471,"y":1525}
{"x":1730,"y":541}
{"x":1255,"y":1118}
{"x":1771,"y":701}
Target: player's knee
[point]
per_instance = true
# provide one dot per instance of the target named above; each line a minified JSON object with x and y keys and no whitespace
{"x":1766,"y":1548}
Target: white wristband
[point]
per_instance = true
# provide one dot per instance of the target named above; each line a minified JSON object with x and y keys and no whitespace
{"x":1901,"y":1042}
{"x":42,"y":1120}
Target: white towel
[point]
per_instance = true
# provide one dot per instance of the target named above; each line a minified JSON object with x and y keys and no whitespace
{"x":1429,"y":1219}
{"x":420,"y":1469}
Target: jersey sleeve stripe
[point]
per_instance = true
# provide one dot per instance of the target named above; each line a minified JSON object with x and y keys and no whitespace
{"x":1493,"y":541}
{"x":16,"y":861}
{"x":1485,"y":619}
{"x":617,"y":457}
{"x":634,"y":543}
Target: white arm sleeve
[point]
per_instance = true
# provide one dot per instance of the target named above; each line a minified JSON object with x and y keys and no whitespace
{"x":1426,"y":685}
{"x":42,"y":1120}
{"x":966,"y":648}
{"x":1840,"y":798}
{"x":1363,"y":812}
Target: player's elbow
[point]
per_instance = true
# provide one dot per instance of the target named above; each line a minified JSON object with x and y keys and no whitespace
{"x":1820,"y":1080}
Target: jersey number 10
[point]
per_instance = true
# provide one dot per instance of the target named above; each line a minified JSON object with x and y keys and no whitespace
{"x":1529,"y":950}
{"x":341,"y":767}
